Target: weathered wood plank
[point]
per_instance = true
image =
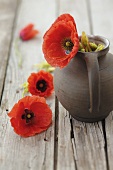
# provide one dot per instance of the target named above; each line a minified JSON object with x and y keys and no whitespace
{"x":84,"y":149}
{"x":101,"y":13}
{"x":65,"y":160}
{"x":78,"y":9}
{"x":103,"y":25}
{"x":89,"y":146}
{"x":34,"y":152}
{"x":109,"y":139}
{"x":82,"y":145}
{"x":7,"y":14}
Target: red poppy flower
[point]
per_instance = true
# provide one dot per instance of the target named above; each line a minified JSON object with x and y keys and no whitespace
{"x":61,"y":41}
{"x":40,"y":83}
{"x":28,"y":32}
{"x":31,"y":115}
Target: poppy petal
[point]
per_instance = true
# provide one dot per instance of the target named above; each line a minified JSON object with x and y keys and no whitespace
{"x":44,"y":77}
{"x":43,"y":114}
{"x":31,"y":115}
{"x":64,"y":18}
{"x":28,"y":32}
{"x":17,"y":109}
{"x":30,"y":35}
{"x":55,"y":52}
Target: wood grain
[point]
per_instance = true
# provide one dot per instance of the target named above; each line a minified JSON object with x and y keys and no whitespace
{"x":101,"y":19}
{"x":67,"y":144}
{"x":7,"y":14}
{"x":103,"y":25}
{"x":78,"y":9}
{"x":89,"y":146}
{"x":81,"y":143}
{"x":34,"y":152}
{"x":85,"y":146}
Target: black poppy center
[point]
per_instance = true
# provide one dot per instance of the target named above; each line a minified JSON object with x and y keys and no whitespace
{"x":28,"y":115}
{"x":41,"y":85}
{"x":68,"y":45}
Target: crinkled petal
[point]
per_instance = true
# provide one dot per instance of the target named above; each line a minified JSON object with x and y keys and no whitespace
{"x":16,"y":110}
{"x":30,"y":35}
{"x":53,"y":49}
{"x":35,"y":77}
{"x":28,"y":100}
{"x":43,"y":114}
{"x":40,"y":121}
{"x":64,"y":18}
{"x":28,"y":32}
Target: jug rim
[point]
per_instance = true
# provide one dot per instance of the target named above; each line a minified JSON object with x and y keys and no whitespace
{"x":99,"y":40}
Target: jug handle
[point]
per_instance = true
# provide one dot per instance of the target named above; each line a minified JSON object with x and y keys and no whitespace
{"x":94,"y":81}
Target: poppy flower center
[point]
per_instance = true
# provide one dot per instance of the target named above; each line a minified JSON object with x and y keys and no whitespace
{"x":41,"y":85}
{"x":68,"y":45}
{"x":28,"y":115}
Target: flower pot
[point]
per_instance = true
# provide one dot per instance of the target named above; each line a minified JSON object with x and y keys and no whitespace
{"x":85,"y":86}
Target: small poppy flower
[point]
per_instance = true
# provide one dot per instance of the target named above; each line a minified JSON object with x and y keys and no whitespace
{"x":28,"y":32}
{"x":30,"y":116}
{"x":61,"y":41}
{"x":40,"y":83}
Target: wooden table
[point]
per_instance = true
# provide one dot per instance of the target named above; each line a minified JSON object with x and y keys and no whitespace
{"x":68,"y":144}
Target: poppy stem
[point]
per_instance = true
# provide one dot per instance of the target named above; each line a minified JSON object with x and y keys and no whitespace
{"x":17,"y":52}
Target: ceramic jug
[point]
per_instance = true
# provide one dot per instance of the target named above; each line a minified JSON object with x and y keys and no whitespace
{"x":85,"y":86}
